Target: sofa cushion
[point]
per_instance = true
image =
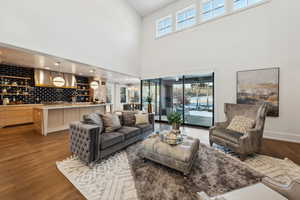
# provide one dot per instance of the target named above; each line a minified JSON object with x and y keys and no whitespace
{"x":241,"y":124}
{"x":94,"y":119}
{"x":129,"y":132}
{"x":227,"y":134}
{"x":129,"y":118}
{"x":111,"y":122}
{"x":110,"y":139}
{"x":141,"y":118}
{"x":145,"y":127}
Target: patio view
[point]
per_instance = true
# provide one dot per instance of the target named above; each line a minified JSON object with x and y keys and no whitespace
{"x":192,"y":96}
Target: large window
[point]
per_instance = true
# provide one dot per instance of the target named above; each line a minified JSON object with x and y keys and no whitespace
{"x":238,"y":4}
{"x":123,"y":95}
{"x":186,"y":18}
{"x":109,"y":93}
{"x":192,"y":96}
{"x":164,"y":26}
{"x":209,"y":9}
{"x":212,"y":8}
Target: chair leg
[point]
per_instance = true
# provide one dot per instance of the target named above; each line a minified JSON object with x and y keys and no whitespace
{"x":243,"y":157}
{"x":211,"y":143}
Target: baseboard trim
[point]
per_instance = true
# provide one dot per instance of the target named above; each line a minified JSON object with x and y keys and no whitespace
{"x":282,"y":136}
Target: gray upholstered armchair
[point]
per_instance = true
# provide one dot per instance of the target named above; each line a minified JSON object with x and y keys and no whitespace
{"x":243,"y":144}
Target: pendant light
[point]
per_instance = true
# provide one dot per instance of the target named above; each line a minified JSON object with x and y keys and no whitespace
{"x":59,"y":80}
{"x":94,"y":85}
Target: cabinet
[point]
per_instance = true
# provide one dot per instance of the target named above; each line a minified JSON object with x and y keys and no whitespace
{"x":15,"y":115}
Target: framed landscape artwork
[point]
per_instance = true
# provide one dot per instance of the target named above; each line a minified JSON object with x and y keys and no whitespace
{"x":258,"y":86}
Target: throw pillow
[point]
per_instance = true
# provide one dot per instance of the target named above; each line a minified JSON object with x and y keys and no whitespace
{"x":129,"y":118}
{"x":141,"y":119}
{"x":111,"y":122}
{"x":92,"y":118}
{"x":241,"y":124}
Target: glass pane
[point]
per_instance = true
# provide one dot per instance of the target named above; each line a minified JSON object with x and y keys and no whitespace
{"x":198,"y":100}
{"x":145,"y":90}
{"x":219,"y":11}
{"x":186,"y":18}
{"x":218,"y":3}
{"x":109,"y":93}
{"x":171,"y":96}
{"x":164,"y":26}
{"x":206,"y":7}
{"x":123,"y":95}
{"x":238,"y":4}
{"x":250,"y":2}
{"x":154,"y":94}
{"x":207,"y":16}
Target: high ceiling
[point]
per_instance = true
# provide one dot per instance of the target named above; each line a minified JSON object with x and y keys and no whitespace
{"x":26,"y":58}
{"x":146,"y":7}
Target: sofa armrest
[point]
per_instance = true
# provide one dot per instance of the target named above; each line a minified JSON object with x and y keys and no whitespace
{"x":251,"y":141}
{"x":219,"y":125}
{"x":152,"y":119}
{"x":84,"y":141}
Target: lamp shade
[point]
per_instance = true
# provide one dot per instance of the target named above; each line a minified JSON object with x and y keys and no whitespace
{"x":94,"y":85}
{"x":59,"y":81}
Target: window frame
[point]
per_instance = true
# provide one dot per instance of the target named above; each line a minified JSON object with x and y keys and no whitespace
{"x":247,"y":6}
{"x":157,"y":35}
{"x":185,"y":9}
{"x":228,"y":11}
{"x":202,"y":2}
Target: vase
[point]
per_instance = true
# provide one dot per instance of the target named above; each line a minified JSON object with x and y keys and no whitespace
{"x":149,"y":108}
{"x":175,"y":126}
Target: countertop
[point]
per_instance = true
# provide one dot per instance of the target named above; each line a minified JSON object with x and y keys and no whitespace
{"x":20,"y":105}
{"x":65,"y":106}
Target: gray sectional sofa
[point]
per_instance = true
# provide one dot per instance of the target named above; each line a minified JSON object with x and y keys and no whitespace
{"x":90,"y":143}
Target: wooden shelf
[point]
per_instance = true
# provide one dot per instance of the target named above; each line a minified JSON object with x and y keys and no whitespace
{"x":82,"y":84}
{"x":12,"y":94}
{"x":83,"y":95}
{"x":83,"y":89}
{"x":16,"y":77}
{"x":25,"y":86}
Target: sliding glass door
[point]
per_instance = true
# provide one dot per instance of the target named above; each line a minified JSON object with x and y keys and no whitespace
{"x":198,"y":101}
{"x":192,"y":96}
{"x":151,"y":88}
{"x":171,"y":96}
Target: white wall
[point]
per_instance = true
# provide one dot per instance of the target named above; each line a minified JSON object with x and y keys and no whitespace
{"x":261,"y":37}
{"x":103,"y":33}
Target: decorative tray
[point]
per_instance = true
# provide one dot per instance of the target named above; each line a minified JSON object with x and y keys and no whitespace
{"x":171,"y":138}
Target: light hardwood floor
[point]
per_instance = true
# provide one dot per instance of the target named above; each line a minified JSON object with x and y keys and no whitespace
{"x":28,"y":170}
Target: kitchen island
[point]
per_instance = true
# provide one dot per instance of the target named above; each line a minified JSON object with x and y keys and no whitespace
{"x":53,"y":118}
{"x":12,"y":115}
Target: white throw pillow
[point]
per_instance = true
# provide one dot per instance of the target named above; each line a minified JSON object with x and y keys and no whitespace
{"x":241,"y":124}
{"x":141,"y":119}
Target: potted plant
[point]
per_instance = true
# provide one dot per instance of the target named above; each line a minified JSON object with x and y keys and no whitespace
{"x":149,"y":100}
{"x":174,"y":118}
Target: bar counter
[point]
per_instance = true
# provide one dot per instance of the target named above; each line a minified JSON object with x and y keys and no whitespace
{"x":53,"y":118}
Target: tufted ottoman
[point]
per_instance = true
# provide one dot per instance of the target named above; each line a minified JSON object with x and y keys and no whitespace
{"x":180,"y":157}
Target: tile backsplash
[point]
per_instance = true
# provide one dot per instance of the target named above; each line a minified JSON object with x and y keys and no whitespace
{"x":35,"y":94}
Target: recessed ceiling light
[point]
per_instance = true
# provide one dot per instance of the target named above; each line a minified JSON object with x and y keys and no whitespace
{"x":80,"y":74}
{"x":57,"y":63}
{"x":47,"y":67}
{"x":92,"y":71}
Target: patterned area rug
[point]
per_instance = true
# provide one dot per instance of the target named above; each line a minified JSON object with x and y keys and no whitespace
{"x":109,"y":180}
{"x":213,"y":172}
{"x":281,"y":171}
